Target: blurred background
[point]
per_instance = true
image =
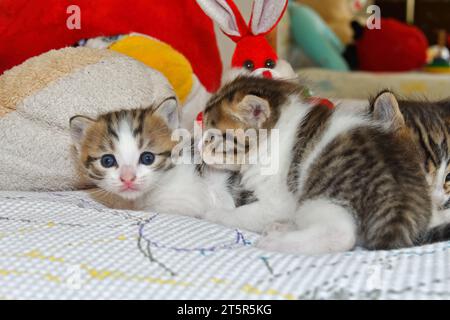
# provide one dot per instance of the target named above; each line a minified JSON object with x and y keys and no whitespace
{"x":329,"y":42}
{"x":345,"y":48}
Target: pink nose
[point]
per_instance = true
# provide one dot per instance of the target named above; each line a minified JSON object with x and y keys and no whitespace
{"x":128,"y":181}
{"x":127,"y":176}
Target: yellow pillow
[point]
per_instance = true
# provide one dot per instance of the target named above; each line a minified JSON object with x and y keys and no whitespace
{"x":162,"y":57}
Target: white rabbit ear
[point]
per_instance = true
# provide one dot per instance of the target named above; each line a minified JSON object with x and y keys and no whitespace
{"x":226,"y":15}
{"x":266,"y":14}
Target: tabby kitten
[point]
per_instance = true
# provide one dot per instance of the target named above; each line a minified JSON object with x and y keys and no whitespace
{"x":342,"y":180}
{"x":127,"y":155}
{"x":429,"y":124}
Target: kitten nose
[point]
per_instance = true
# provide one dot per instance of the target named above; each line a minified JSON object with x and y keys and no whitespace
{"x":127,"y":175}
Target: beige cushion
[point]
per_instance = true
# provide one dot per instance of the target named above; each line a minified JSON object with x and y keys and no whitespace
{"x":38,"y":97}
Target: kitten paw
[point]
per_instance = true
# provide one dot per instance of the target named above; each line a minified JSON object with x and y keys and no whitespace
{"x":279,"y":226}
{"x":216,"y":216}
{"x":270,"y":242}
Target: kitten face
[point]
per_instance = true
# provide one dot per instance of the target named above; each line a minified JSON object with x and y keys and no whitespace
{"x":234,"y":115}
{"x":429,"y":125}
{"x":230,"y":130}
{"x":126,"y":152}
{"x":439,"y":180}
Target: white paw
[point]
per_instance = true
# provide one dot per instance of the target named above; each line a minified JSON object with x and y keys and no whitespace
{"x":219,"y":216}
{"x":213,"y":215}
{"x":270,"y":242}
{"x":279,"y":226}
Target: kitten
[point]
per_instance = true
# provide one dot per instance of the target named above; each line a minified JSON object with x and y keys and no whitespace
{"x":342,"y":180}
{"x":429,"y":124}
{"x":127,"y":155}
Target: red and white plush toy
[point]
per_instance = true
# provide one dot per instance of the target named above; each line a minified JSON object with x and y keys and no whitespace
{"x":253,"y":53}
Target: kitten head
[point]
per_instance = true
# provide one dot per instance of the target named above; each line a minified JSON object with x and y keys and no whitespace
{"x":126,"y":152}
{"x":427,"y":124}
{"x":235,"y":113}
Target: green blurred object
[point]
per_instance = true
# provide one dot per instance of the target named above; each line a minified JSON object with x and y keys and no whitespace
{"x":315,"y":38}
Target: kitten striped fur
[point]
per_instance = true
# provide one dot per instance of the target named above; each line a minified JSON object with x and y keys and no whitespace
{"x":429,"y":124}
{"x":345,"y":175}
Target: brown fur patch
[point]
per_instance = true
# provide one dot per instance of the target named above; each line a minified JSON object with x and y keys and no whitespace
{"x":221,"y":107}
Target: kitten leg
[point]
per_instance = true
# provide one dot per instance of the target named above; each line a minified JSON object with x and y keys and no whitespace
{"x":280,"y":226}
{"x":256,"y":216}
{"x":323,"y":227}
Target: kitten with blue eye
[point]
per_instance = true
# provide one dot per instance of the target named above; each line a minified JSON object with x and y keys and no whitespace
{"x":344,"y":178}
{"x":127,"y":155}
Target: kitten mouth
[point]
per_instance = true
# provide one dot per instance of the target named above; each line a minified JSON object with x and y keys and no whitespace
{"x":129,"y":189}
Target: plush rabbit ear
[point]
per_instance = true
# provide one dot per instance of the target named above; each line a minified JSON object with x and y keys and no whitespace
{"x":227,"y":16}
{"x":266,"y":14}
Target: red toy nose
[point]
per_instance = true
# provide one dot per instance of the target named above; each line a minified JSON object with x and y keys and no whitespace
{"x":199,"y":119}
{"x":267,"y":74}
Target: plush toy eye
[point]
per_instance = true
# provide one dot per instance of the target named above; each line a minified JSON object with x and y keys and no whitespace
{"x":270,"y":64}
{"x":249,"y":65}
{"x":108,"y":161}
{"x":147,"y":158}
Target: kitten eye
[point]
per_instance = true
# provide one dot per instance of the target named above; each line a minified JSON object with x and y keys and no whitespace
{"x":147,"y":158}
{"x":249,"y":65}
{"x":270,"y":64}
{"x":108,"y":161}
{"x":447,"y":178}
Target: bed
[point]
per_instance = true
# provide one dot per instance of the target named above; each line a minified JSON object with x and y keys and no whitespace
{"x":63,"y":245}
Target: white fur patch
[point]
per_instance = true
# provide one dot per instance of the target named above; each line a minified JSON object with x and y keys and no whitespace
{"x":439,"y":197}
{"x":322,"y":227}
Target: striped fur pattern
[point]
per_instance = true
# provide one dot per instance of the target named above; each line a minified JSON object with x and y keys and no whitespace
{"x":429,"y":123}
{"x":343,"y":177}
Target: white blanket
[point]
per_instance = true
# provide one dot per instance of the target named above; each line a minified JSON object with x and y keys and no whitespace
{"x":65,"y":246}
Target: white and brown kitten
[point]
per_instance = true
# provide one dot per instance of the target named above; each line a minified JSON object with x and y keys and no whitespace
{"x":342,"y":179}
{"x":127,"y":155}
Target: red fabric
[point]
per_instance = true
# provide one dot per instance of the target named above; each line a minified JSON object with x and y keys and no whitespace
{"x":394,"y":47}
{"x":317,"y":101}
{"x":254,"y":48}
{"x":31,"y":27}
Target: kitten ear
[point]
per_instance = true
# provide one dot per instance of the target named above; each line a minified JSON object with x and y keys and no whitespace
{"x":78,"y":127}
{"x":386,"y":109}
{"x":168,"y":111}
{"x":253,"y":111}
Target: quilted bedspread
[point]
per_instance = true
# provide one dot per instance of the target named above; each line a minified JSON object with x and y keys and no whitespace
{"x":65,"y":246}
